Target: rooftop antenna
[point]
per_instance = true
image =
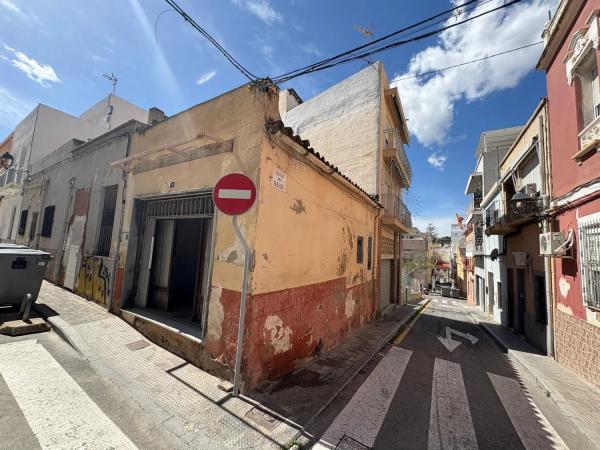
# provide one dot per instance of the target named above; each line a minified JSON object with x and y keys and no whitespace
{"x":368,"y":33}
{"x":109,"y":108}
{"x":113,"y":79}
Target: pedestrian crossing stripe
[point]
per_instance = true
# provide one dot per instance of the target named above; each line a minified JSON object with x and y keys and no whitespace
{"x":59,"y":412}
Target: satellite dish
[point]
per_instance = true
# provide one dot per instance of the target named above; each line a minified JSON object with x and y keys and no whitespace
{"x":494,"y":254}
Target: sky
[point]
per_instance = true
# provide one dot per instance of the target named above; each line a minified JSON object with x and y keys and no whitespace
{"x":56,"y":53}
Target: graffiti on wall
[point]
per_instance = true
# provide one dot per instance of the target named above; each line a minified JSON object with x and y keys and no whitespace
{"x":95,"y":278}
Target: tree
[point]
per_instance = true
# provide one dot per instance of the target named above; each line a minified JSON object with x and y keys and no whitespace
{"x":431,"y":231}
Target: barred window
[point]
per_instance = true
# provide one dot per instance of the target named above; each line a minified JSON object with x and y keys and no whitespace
{"x":47,"y":221}
{"x":359,"y":249}
{"x":108,"y":218}
{"x":589,"y":240}
{"x":23,"y":222}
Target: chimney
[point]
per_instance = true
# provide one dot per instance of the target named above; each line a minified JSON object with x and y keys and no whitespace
{"x":155,"y":115}
{"x":288,"y":100}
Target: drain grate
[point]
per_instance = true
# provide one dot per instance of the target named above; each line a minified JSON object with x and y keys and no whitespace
{"x":347,"y":443}
{"x":137,"y":345}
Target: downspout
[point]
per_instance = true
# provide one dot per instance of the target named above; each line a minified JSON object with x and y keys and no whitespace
{"x":61,"y":248}
{"x":116,"y":259}
{"x":546,"y":228}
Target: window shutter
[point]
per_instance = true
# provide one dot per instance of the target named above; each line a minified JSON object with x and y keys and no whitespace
{"x":595,"y":92}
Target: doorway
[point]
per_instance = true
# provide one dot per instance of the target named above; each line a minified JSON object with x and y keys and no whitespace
{"x":520,"y":325}
{"x":177,"y":267}
{"x":511,"y":298}
{"x":491,"y":297}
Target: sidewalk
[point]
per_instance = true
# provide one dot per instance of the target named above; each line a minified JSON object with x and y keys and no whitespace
{"x":579,"y":400}
{"x":305,"y":393}
{"x":183,"y":399}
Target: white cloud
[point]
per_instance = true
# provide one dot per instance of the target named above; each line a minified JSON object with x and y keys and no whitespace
{"x":10,"y":6}
{"x":261,"y":9}
{"x":40,"y":73}
{"x":437,"y":160}
{"x":206,"y":77}
{"x":12,"y":109}
{"x":430,"y":102}
{"x":265,"y":48}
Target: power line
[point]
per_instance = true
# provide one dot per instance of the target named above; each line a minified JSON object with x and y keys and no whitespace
{"x":376,"y":41}
{"x":212,"y":40}
{"x":468,"y":62}
{"x":319,"y":67}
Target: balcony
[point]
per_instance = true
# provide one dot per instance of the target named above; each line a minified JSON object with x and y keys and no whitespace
{"x":395,"y":157}
{"x":396,"y":215}
{"x":475,"y":205}
{"x":521,"y":211}
{"x":474,"y":240}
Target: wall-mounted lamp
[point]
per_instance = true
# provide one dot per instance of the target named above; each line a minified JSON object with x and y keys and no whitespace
{"x":6,"y":160}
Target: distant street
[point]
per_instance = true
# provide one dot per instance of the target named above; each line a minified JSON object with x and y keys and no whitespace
{"x":436,"y":390}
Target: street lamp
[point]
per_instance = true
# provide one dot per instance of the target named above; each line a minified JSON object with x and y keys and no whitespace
{"x":6,"y":160}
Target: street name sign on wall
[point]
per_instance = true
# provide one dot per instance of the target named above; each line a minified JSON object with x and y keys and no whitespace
{"x":234,"y":194}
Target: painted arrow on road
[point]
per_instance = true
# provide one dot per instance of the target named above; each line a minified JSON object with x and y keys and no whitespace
{"x":451,"y":344}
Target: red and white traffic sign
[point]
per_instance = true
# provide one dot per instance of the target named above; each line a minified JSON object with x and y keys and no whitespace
{"x":234,"y":194}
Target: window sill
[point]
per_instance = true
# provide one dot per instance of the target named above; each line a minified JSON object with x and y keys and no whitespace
{"x":589,"y":140}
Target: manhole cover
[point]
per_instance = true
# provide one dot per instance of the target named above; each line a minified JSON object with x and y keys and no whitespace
{"x":347,"y":443}
{"x":137,"y":345}
{"x":262,"y":419}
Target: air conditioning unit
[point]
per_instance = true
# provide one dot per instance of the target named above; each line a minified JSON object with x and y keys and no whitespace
{"x":550,"y":243}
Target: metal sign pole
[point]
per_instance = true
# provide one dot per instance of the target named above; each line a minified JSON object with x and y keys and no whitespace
{"x":243,"y":300}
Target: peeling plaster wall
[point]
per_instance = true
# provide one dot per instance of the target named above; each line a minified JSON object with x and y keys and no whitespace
{"x":238,"y":115}
{"x":308,"y":290}
{"x":343,"y":122}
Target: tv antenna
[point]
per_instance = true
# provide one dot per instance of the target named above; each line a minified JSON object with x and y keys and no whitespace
{"x":113,"y":79}
{"x":368,"y":33}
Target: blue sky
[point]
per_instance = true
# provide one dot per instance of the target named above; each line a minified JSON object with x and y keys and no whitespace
{"x":55,"y":53}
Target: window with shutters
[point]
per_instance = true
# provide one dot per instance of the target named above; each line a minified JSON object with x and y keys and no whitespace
{"x":108,"y":218}
{"x":23,"y":222}
{"x":47,"y":221}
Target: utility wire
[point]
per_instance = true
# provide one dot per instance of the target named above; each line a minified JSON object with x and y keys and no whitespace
{"x":336,"y":62}
{"x":395,"y":33}
{"x":431,"y":72}
{"x":212,"y":40}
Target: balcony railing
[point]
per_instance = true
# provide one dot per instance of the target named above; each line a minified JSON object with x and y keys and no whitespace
{"x":393,"y":142}
{"x":475,"y":203}
{"x":517,"y":211}
{"x":396,"y":209}
{"x":474,"y":240}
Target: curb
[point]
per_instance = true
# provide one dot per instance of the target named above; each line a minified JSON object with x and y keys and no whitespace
{"x":65,"y":331}
{"x":524,"y":366}
{"x":401,"y":325}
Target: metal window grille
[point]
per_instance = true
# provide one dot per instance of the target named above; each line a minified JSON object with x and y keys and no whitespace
{"x":589,"y":239}
{"x":23,"y":222}
{"x":33,"y":226}
{"x":47,"y":221}
{"x":181,"y":206}
{"x":369,"y":253}
{"x":359,"y":249}
{"x":108,"y":218}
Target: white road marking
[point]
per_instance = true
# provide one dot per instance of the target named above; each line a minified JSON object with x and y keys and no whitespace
{"x":59,"y":412}
{"x":533,"y":428}
{"x":444,"y":301}
{"x":242,"y":194}
{"x":450,"y":343}
{"x":450,"y":423}
{"x":364,"y":414}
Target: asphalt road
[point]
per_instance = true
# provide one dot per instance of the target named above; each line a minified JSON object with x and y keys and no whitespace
{"x":435,"y":390}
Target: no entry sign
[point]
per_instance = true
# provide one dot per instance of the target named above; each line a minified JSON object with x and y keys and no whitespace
{"x":234,"y":194}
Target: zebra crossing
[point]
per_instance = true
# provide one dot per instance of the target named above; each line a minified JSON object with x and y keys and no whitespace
{"x":466,"y":410}
{"x":58,"y":411}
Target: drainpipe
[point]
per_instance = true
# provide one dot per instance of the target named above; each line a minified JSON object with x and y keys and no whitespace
{"x":546,"y":228}
{"x":116,"y":259}
{"x":62,"y":247}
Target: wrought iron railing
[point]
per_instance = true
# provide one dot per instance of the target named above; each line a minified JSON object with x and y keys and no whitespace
{"x":518,"y":209}
{"x":475,"y":203}
{"x":393,"y":141}
{"x":395,"y":207}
